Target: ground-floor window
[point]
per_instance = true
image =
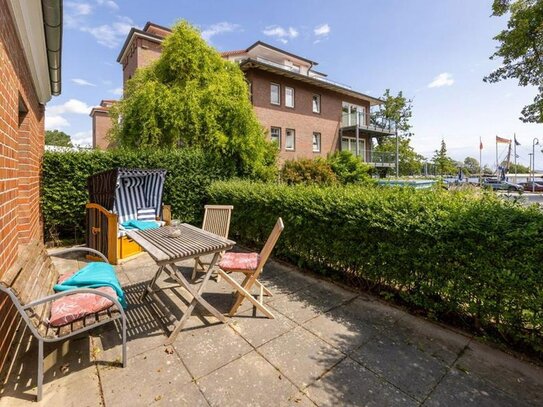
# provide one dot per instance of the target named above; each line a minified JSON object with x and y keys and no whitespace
{"x":349,"y":144}
{"x":290,"y":139}
{"x":275,"y":133}
{"x":316,"y":142}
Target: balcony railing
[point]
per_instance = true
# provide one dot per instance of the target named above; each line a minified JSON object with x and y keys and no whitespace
{"x":278,"y":65}
{"x":297,"y":70}
{"x":366,"y":121}
{"x":377,"y":158}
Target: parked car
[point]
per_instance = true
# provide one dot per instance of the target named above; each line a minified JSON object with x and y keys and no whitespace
{"x":498,"y":185}
{"x":532,"y":186}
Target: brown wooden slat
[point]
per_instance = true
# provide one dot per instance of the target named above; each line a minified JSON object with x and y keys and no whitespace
{"x":190,"y":243}
{"x":27,"y":254}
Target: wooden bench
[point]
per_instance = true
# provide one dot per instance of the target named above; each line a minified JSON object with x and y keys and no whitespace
{"x":29,"y":283}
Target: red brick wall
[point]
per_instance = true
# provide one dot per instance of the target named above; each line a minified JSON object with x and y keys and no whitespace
{"x":300,"y":118}
{"x":141,"y":53}
{"x":21,"y":149}
{"x":101,"y":124}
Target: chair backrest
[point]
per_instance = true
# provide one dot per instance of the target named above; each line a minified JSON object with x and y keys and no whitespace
{"x":30,"y":278}
{"x":217,"y":219}
{"x":270,"y":244}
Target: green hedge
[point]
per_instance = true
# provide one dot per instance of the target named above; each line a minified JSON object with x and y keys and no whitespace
{"x":461,"y":255}
{"x":64,"y":185}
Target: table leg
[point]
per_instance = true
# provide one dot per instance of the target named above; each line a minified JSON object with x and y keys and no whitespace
{"x":152,"y":283}
{"x":197,"y":298}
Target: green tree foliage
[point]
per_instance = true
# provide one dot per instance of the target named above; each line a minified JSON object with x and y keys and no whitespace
{"x":518,"y":169}
{"x":192,"y":97}
{"x":445,"y":165}
{"x":410,"y":162}
{"x":308,"y":171}
{"x":462,"y":253}
{"x":487,"y":170}
{"x":521,"y":49}
{"x":348,"y":168}
{"x":398,"y":110}
{"x":471,"y":165}
{"x":57,"y":138}
{"x":395,"y":111}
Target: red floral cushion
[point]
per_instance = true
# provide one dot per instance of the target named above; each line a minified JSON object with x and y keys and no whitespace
{"x":67,"y":309}
{"x":239,"y":261}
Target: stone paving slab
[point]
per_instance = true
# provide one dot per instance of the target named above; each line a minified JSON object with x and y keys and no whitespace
{"x":68,"y":371}
{"x":350,"y":384}
{"x":328,"y":346}
{"x":301,"y":356}
{"x":267,"y":386}
{"x":156,"y":375}
{"x":459,"y":388}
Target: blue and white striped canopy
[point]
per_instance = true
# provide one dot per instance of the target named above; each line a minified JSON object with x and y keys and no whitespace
{"x":125,"y":191}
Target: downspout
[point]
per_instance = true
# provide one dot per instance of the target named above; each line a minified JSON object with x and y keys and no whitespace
{"x":52,"y":25}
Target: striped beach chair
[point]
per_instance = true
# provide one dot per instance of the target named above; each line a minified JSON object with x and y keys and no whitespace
{"x":117,"y":196}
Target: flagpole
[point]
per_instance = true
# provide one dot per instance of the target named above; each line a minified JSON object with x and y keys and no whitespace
{"x":497,"y":164}
{"x":516,"y":170}
{"x":480,"y":161}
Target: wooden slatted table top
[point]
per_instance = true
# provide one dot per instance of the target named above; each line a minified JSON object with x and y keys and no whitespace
{"x":192,"y":242}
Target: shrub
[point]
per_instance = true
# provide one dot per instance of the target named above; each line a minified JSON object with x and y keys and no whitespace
{"x":64,"y":186}
{"x":308,"y":171}
{"x":348,"y":168}
{"x":459,"y":254}
{"x":191,"y":96}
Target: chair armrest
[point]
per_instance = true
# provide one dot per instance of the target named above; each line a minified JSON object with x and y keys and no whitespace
{"x":94,"y":291}
{"x":82,"y":249}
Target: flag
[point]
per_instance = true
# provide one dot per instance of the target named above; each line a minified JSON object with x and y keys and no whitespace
{"x":516,"y":142}
{"x":480,"y":144}
{"x":502,"y":140}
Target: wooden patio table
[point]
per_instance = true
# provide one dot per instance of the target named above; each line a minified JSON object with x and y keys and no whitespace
{"x":166,"y":251}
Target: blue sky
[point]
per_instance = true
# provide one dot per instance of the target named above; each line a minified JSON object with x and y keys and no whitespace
{"x":436,"y":52}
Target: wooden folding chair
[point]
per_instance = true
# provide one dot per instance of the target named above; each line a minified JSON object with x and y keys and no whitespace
{"x":217,"y":221}
{"x":251,"y":265}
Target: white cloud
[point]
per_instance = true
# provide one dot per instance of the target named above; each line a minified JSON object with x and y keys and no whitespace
{"x":82,"y":138}
{"x":443,"y":79}
{"x":279,"y":33}
{"x":82,"y":82}
{"x":117,"y":91}
{"x":53,"y":122}
{"x":108,"y":3}
{"x":75,"y":13}
{"x":70,"y":106}
{"x":219,"y":28}
{"x":111,"y":35}
{"x":78,"y":9}
{"x":322,"y":30}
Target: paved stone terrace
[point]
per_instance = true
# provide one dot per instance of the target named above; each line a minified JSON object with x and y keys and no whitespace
{"x":328,"y":346}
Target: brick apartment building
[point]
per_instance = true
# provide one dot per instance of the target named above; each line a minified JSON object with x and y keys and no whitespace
{"x":304,"y":112}
{"x":30,"y":41}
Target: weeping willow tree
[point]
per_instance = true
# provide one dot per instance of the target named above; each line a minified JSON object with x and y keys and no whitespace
{"x":191,"y":97}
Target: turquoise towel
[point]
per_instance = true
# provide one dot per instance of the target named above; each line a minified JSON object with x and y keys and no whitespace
{"x":140,"y":224}
{"x":94,"y":275}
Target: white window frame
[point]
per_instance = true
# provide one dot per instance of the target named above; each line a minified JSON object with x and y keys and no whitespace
{"x":318,"y":103}
{"x":287,"y":88}
{"x":293,"y":132}
{"x":316,"y":136}
{"x":271,"y":135}
{"x":278,"y":103}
